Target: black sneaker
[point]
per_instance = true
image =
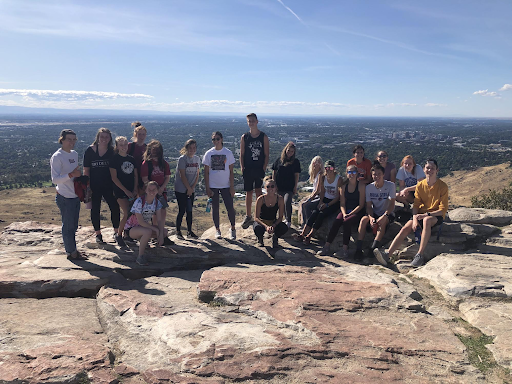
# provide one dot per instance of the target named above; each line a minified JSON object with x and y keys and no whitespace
{"x":142,"y":260}
{"x":382,"y":257}
{"x":179,"y":235}
{"x":120,"y":241}
{"x":192,"y":235}
{"x":358,"y":256}
{"x":168,"y":241}
{"x":99,"y":239}
{"x":247,"y":222}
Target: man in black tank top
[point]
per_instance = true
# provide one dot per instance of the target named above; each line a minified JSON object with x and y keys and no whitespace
{"x":254,"y":153}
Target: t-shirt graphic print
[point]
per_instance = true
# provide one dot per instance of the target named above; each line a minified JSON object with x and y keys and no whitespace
{"x":218,"y":162}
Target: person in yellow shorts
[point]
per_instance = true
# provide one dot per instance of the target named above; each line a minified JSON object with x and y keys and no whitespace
{"x":429,"y":210}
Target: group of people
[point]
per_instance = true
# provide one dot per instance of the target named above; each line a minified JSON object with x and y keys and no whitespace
{"x":132,"y":178}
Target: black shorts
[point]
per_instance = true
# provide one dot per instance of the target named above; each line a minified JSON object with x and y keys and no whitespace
{"x":253,"y":178}
{"x":440,"y":220}
{"x":391,"y":219}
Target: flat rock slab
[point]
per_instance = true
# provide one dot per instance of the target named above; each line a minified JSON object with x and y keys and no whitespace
{"x":55,"y":340}
{"x":282,"y":324}
{"x":459,"y":276}
{"x":493,"y":319}
{"x":481,"y":216}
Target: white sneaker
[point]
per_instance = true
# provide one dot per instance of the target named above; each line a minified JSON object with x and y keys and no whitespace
{"x":218,"y":235}
{"x":233,"y":234}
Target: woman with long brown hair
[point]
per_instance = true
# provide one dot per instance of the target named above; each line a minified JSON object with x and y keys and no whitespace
{"x":137,"y":148}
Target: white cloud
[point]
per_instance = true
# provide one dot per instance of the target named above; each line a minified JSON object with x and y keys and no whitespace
{"x":486,"y":93}
{"x":506,"y":87}
{"x":41,"y":94}
{"x":430,"y":105}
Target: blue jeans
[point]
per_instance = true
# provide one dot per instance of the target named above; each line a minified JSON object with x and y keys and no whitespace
{"x":70,"y":212}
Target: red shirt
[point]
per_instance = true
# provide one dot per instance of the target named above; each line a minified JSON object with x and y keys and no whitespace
{"x":138,"y":152}
{"x":157,"y":175}
{"x":363,"y":169}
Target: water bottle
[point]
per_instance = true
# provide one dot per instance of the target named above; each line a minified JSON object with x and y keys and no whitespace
{"x":417,"y":235}
{"x":209,"y":205}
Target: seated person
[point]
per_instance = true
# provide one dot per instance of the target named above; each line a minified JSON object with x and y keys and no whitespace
{"x":147,"y":221}
{"x":269,"y":214}
{"x":380,"y":203}
{"x":429,"y":210}
{"x":408,"y":176}
{"x":308,"y":204}
{"x":363,"y":164}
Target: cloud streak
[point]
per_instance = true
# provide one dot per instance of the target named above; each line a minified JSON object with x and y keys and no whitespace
{"x":291,"y":11}
{"x":486,"y":93}
{"x":60,"y":95}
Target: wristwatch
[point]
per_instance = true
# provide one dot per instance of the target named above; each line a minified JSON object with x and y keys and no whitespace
{"x":428,"y":213}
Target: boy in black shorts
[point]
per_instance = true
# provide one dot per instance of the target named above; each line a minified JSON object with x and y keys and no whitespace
{"x":254,"y":150}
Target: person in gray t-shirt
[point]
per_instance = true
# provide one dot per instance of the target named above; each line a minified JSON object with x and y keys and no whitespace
{"x":187,"y":175}
{"x":380,"y":203}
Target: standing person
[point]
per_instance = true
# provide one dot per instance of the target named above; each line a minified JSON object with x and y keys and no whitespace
{"x":429,"y":210}
{"x":363,"y":165}
{"x":269,"y":214}
{"x":308,"y":204}
{"x":155,"y":168}
{"x":352,"y":205}
{"x":408,"y":176}
{"x":328,"y":205}
{"x":187,"y":176}
{"x":147,"y":221}
{"x":389,"y":168}
{"x":64,"y":169}
{"x":380,"y":203}
{"x":137,"y":148}
{"x":219,"y":179}
{"x":285,"y":172}
{"x":123,"y":170}
{"x":96,"y":165}
{"x":254,"y":150}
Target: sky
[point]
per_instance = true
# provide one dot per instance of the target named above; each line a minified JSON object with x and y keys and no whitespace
{"x":305,"y":57}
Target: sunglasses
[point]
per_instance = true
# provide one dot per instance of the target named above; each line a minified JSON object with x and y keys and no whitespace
{"x":216,"y":139}
{"x":271,"y":186}
{"x":329,"y":168}
{"x":351,"y":172}
{"x":381,"y":156}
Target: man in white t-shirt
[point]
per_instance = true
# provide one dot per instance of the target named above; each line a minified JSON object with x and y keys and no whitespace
{"x":380,"y":203}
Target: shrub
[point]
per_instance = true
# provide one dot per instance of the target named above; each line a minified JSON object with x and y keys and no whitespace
{"x":494,"y":200}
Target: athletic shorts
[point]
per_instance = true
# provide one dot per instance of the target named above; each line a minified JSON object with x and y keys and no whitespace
{"x":439,"y":221}
{"x":253,"y":178}
{"x":391,"y":219}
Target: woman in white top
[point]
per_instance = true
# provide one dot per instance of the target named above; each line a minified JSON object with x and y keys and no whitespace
{"x":328,"y":204}
{"x":64,"y":169}
{"x":408,"y":176}
{"x":220,"y":180}
{"x":308,"y":204}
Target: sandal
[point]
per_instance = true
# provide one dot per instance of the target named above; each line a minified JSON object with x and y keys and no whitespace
{"x":298,"y":237}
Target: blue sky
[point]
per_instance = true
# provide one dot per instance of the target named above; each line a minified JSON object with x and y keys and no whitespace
{"x":333,"y":57}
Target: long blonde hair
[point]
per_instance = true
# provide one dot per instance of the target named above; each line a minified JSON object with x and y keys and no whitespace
{"x":312,"y":174}
{"x":118,"y":139}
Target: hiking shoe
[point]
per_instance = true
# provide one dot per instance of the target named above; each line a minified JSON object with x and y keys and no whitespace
{"x":99,"y":239}
{"x":233,"y":234}
{"x":168,"y":241}
{"x":218,"y":235}
{"x":418,"y":261}
{"x":260,"y":242}
{"x":341,"y":254}
{"x":275,"y":241}
{"x":325,"y":251}
{"x":179,"y":235}
{"x":369,"y":253}
{"x":358,"y":256}
{"x":141,"y":260}
{"x":192,"y":235}
{"x":382,"y":257}
{"x":247,"y":222}
{"x":120,"y":241}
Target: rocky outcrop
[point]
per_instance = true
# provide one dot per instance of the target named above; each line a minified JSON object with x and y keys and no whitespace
{"x":220,"y":311}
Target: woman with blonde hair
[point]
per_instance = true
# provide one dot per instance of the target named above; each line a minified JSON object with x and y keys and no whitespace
{"x":96,"y":165}
{"x":408,"y":176}
{"x":187,"y":176}
{"x":285,"y":172}
{"x":308,"y":204}
{"x":137,"y":148}
{"x":123,"y":171}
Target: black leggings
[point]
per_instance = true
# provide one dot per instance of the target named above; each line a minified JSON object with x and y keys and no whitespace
{"x":182,"y":199}
{"x":317,"y":217}
{"x":288,"y":197}
{"x":347,"y":226}
{"x":228,"y":203}
{"x":108,"y":195}
{"x":279,"y":230}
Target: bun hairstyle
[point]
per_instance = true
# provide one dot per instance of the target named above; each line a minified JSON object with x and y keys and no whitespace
{"x":188,"y":143}
{"x":137,"y":126}
{"x":118,"y":140}
{"x":63,"y":134}
{"x":266,"y":179}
